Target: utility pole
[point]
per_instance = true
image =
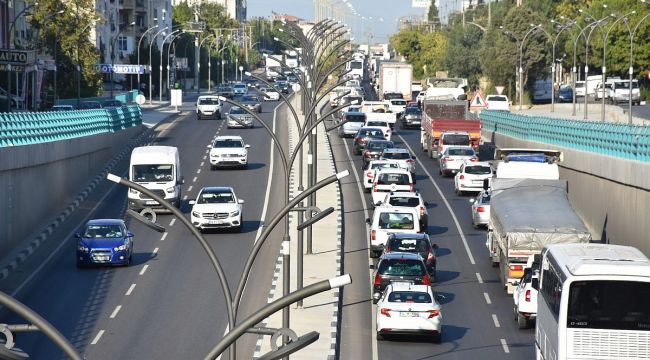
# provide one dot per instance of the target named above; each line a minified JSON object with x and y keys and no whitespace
{"x":197,"y":54}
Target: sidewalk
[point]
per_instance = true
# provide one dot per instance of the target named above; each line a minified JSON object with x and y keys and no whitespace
{"x":319,"y":312}
{"x":613,"y":113}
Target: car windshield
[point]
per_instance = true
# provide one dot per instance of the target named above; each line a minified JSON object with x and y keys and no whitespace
{"x":460,"y":152}
{"x":208,"y":197}
{"x":379,"y":145}
{"x":497,"y":98}
{"x":408,"y":201}
{"x":393,"y":178}
{"x":103,"y":231}
{"x":409,"y":297}
{"x":456,"y":139}
{"x":228,"y":143}
{"x":413,"y":111}
{"x":208,"y":101}
{"x":237,"y":111}
{"x":355,"y":118}
{"x":398,"y":102}
{"x":377,"y":123}
{"x":408,"y":245}
{"x":478,"y":170}
{"x":395,"y":220}
{"x":153,"y":172}
{"x":408,"y":267}
{"x":396,"y":155}
{"x":250,"y":98}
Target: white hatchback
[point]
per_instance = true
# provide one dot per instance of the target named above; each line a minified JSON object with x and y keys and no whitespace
{"x":389,"y":180}
{"x":471,"y":175}
{"x":453,"y":157}
{"x":370,"y":171}
{"x":388,"y":220}
{"x":481,"y":209}
{"x":409,"y":199}
{"x":383,"y":125}
{"x":405,"y":308}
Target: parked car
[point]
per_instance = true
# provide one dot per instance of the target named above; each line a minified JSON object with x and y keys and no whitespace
{"x":89,"y":105}
{"x":417,"y":244}
{"x":113,"y":103}
{"x":471,"y":175}
{"x":453,"y":157}
{"x":406,"y":308}
{"x":371,"y":169}
{"x":389,"y":180}
{"x":217,"y":208}
{"x":481,"y":209}
{"x":60,"y":107}
{"x":497,"y":102}
{"x":388,"y":220}
{"x":580,"y":88}
{"x":239,"y":118}
{"x":364,"y":135}
{"x":400,"y":155}
{"x":399,"y":266}
{"x":228,"y":151}
{"x":374,"y":150}
{"x":269,"y":94}
{"x":409,"y":199}
{"x":353,"y":121}
{"x":104,"y":242}
{"x":621,"y":92}
{"x":525,"y":294}
{"x":599,"y":92}
{"x":565,"y":94}
{"x":412,"y":117}
{"x":208,"y":106}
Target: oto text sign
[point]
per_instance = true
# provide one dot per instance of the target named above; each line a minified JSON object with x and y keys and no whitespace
{"x":120,"y":68}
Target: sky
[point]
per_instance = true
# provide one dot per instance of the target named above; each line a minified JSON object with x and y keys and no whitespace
{"x":384,"y":14}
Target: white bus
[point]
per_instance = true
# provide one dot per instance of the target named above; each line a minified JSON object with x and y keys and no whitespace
{"x":593,"y":303}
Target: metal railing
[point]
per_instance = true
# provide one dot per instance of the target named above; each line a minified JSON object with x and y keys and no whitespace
{"x":630,"y":142}
{"x":25,"y":128}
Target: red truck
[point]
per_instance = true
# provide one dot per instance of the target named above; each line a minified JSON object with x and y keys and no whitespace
{"x":441,"y":115}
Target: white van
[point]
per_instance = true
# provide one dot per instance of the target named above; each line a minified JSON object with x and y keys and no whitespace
{"x":157,"y":168}
{"x":388,"y":220}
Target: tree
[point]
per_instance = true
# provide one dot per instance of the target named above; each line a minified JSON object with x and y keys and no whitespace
{"x":432,"y":14}
{"x":462,"y":56}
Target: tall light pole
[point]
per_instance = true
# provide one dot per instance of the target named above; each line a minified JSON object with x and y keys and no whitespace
{"x":517,"y":42}
{"x":169,"y":49}
{"x":553,"y":70}
{"x":198,"y":61}
{"x":139,"y":43}
{"x":162,"y":51}
{"x":597,"y":23}
{"x":631,"y":70}
{"x":604,"y":68}
{"x":574,"y":70}
{"x":150,"y":62}
{"x":11,"y":46}
{"x":113,"y":56}
{"x":83,"y":31}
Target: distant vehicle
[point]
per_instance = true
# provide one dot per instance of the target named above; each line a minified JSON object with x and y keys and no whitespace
{"x":454,"y":87}
{"x":395,"y":77}
{"x":112,"y":103}
{"x":374,"y":150}
{"x":370,"y":171}
{"x":89,"y":105}
{"x":225,"y":91}
{"x":282,"y":86}
{"x":390,"y":180}
{"x":393,"y":95}
{"x":565,"y":94}
{"x":383,"y":125}
{"x":217,"y":208}
{"x":356,"y":68}
{"x":409,"y":199}
{"x":621,"y":92}
{"x":399,"y":266}
{"x":453,"y":157}
{"x":453,"y":138}
{"x":239,"y":89}
{"x":269,"y":94}
{"x":363,"y":136}
{"x":208,"y":106}
{"x":481,"y":209}
{"x":239,"y":118}
{"x":228,"y":151}
{"x":104,"y":242}
{"x":60,"y":107}
{"x":158,"y":169}
{"x":388,"y":220}
{"x":471,"y":175}
{"x":591,"y":290}
{"x":497,"y":102}
{"x":402,"y":156}
{"x":353,"y":122}
{"x":580,"y":89}
{"x":15,"y":99}
{"x":445,"y":115}
{"x":599,"y":92}
{"x":525,"y":294}
{"x":542,"y":90}
{"x":397,"y":106}
{"x":273,"y":66}
{"x":379,"y":110}
{"x":406,"y":308}
{"x":252,"y":102}
{"x":412,"y":117}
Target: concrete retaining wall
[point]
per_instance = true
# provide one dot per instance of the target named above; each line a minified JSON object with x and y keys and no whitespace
{"x":37,"y":181}
{"x":612,"y":195}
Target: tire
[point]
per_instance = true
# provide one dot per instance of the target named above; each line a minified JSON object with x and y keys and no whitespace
{"x":366,"y":190}
{"x":436,"y":338}
{"x":522,"y":322}
{"x":439,"y":171}
{"x":375,"y":254}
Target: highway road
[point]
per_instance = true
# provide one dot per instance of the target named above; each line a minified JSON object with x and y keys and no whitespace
{"x":478,"y":319}
{"x":168,"y":304}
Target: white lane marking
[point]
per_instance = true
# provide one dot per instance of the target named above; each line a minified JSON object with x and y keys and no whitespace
{"x":444,"y":199}
{"x":496,"y":320}
{"x":184,"y":197}
{"x":189,"y":188}
{"x":198,"y":171}
{"x":155,"y":251}
{"x":164,"y":236}
{"x":487,"y":298}
{"x":194,"y":180}
{"x":504,"y":345}
{"x":144,"y":268}
{"x":206,"y":156}
{"x":202,"y":163}
{"x":97,"y":337}
{"x":480,"y":279}
{"x":171,"y":223}
{"x":128,"y":292}
{"x":114,"y":313}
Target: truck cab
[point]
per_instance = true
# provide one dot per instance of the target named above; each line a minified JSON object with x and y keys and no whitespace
{"x":158,"y":169}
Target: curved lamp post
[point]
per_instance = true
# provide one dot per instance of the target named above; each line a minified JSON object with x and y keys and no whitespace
{"x":597,"y":23}
{"x":631,"y":69}
{"x":517,"y":41}
{"x":169,"y":49}
{"x":521,"y":60}
{"x":557,"y":36}
{"x":79,"y":64}
{"x":139,"y":43}
{"x":161,"y":31}
{"x":162,"y":51}
{"x":575,"y":61}
{"x":198,"y":61}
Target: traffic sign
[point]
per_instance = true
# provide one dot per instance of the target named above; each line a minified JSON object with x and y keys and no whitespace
{"x":477,"y":102}
{"x":499,"y":89}
{"x":120,"y":68}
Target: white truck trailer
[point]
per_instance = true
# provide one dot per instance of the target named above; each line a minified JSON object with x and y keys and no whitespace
{"x":395,"y":77}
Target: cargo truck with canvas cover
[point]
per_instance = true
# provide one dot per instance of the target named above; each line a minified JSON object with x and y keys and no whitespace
{"x":525,"y":216}
{"x":446,"y":114}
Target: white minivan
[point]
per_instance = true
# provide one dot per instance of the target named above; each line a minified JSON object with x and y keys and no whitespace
{"x":388,"y":180}
{"x":388,"y":220}
{"x":158,"y":169}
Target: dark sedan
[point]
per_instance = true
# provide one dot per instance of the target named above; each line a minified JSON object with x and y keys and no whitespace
{"x":399,"y":266}
{"x":364,"y":135}
{"x":374,"y":149}
{"x":565,"y":94}
{"x":226,"y":91}
{"x":252,"y":102}
{"x":416,"y":244}
{"x":412,"y":117}
{"x":89,"y":105}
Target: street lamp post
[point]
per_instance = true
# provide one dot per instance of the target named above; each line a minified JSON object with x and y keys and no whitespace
{"x":139,"y":43}
{"x":79,"y":64}
{"x":198,"y":62}
{"x":112,"y":76}
{"x":631,"y":69}
{"x":241,"y":73}
{"x":553,"y":70}
{"x":517,"y":41}
{"x":169,"y":49}
{"x":604,"y":68}
{"x":162,"y":51}
{"x":597,"y":23}
{"x":521,"y":60}
{"x":574,"y":70}
{"x":150,"y":62}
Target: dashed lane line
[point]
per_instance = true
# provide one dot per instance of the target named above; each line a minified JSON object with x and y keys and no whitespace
{"x":171,"y":223}
{"x":479,"y":278}
{"x":155,"y":251}
{"x":496,"y":320}
{"x":184,"y":197}
{"x":487,"y":298}
{"x":504,"y":345}
{"x":130,"y":290}
{"x":144,"y":269}
{"x":189,"y":188}
{"x":97,"y":337}
{"x":198,"y":171}
{"x":202,"y":163}
{"x":114,"y":313}
{"x":164,"y":235}
{"x":194,"y":180}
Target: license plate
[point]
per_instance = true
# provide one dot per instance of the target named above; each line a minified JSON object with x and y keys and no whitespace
{"x":477,"y":181}
{"x":215,"y":222}
{"x":151,"y":202}
{"x":408,"y":314}
{"x":102,"y":258}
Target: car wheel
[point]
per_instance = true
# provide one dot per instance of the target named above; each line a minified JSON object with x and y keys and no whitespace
{"x":436,"y":338}
{"x":366,"y":190}
{"x":522,"y":322}
{"x":375,"y":254}
{"x":380,"y":337}
{"x":440,"y":172}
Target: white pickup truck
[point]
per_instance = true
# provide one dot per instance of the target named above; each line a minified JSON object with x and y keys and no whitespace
{"x":379,"y":110}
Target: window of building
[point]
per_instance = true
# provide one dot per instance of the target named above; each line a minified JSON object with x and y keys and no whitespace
{"x":122,"y":43}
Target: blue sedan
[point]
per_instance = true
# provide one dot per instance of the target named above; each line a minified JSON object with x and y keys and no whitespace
{"x":104,"y":242}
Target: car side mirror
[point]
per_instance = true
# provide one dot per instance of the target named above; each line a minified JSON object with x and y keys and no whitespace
{"x":240,"y":201}
{"x":192,"y":202}
{"x":414,"y":157}
{"x":440,"y":297}
{"x":247,"y":146}
{"x":77,"y":236}
{"x":209,"y":146}
{"x":371,"y":267}
{"x":129,"y":234}
{"x":471,"y":201}
{"x":181,"y":181}
{"x":368,"y":221}
{"x":375,"y":297}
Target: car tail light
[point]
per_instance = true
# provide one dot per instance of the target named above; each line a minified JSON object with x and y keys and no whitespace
{"x":461,"y":177}
{"x":433,"y":313}
{"x":377,"y":279}
{"x":388,"y":249}
{"x":426,"y":280}
{"x":430,"y":257}
{"x":527,"y":295}
{"x":366,"y":153}
{"x":409,"y":161}
{"x":473,"y":159}
{"x":385,"y":312}
{"x":480,"y":209}
{"x":369,"y":175}
{"x":373,"y":235}
{"x":411,"y":187}
{"x":421,"y":210}
{"x":515,"y":271}
{"x":374,"y":189}
{"x":445,"y":159}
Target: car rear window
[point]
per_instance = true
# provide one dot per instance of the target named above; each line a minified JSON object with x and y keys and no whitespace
{"x":394,"y":220}
{"x":407,"y":201}
{"x":408,"y":245}
{"x":372,"y":133}
{"x":478,"y":170}
{"x":376,"y":166}
{"x":377,"y":123}
{"x":208,"y":101}
{"x":461,"y":152}
{"x":497,"y":98}
{"x":380,"y":145}
{"x":391,"y":178}
{"x":456,"y":140}
{"x":405,"y":267}
{"x":398,"y":102}
{"x":413,"y":111}
{"x":409,"y":297}
{"x":396,"y":155}
{"x":356,"y":118}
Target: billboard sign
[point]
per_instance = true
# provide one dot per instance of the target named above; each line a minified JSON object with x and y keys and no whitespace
{"x":420,"y":3}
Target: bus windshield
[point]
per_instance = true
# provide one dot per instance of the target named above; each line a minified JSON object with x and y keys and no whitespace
{"x":607,"y":304}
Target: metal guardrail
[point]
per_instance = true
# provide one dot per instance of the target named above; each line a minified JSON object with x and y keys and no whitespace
{"x":612,"y":139}
{"x":24,"y":128}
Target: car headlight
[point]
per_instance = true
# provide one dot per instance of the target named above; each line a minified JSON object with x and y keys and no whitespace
{"x":83,"y":248}
{"x":120,"y":248}
{"x":234,"y":213}
{"x":170,"y":189}
{"x":196,"y":214}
